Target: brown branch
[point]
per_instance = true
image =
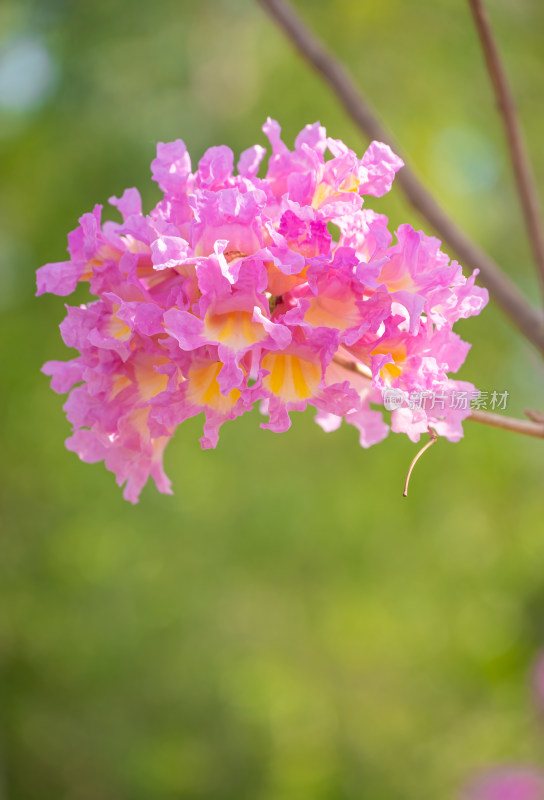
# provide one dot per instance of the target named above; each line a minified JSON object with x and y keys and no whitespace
{"x":524,"y":426}
{"x":532,"y":427}
{"x":529,"y":320}
{"x":514,"y":135}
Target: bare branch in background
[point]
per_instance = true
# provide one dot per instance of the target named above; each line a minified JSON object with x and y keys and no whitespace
{"x":516,"y":144}
{"x":529,"y":320}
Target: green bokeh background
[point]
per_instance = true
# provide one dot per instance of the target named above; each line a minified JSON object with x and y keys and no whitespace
{"x":287,"y":626}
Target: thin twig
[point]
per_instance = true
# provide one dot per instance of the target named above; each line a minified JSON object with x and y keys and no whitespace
{"x":516,"y":143}
{"x":532,"y":427}
{"x":416,"y":458}
{"x":524,"y":426}
{"x":529,"y":320}
{"x":536,"y":416}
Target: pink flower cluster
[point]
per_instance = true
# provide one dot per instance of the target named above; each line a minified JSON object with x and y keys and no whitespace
{"x":238,"y":288}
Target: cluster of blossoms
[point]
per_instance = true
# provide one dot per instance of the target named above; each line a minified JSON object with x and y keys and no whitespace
{"x":238,"y":288}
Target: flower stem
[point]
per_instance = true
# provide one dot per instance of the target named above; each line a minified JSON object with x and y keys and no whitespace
{"x":416,"y":458}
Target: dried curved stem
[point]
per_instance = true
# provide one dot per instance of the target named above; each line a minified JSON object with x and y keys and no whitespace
{"x":529,"y":320}
{"x":416,"y":458}
{"x":516,"y":144}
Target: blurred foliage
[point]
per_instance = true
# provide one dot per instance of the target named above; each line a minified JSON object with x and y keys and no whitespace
{"x":287,"y":626}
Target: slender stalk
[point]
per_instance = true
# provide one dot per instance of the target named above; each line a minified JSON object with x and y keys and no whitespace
{"x":528,"y":320}
{"x":514,"y":135}
{"x":416,"y":458}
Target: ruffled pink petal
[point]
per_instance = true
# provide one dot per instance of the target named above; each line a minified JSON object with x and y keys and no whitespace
{"x":380,"y":165}
{"x":250,"y":161}
{"x":215,"y":166}
{"x":60,"y":277}
{"x":172,"y":166}
{"x":168,"y":252}
{"x":64,"y":374}
{"x":186,"y":328}
{"x":129,"y":204}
